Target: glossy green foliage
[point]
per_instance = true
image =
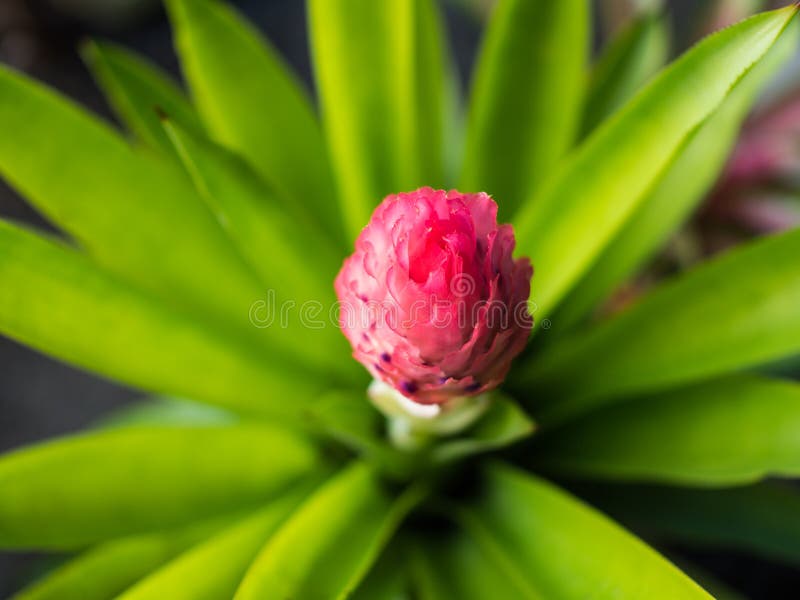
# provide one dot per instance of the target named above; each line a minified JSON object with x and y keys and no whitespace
{"x":727,"y":432}
{"x":131,"y":336}
{"x":734,"y":312}
{"x":453,"y":565}
{"x":214,"y":569}
{"x":116,"y":202}
{"x":265,"y":233}
{"x":138,"y":91}
{"x":108,"y":569}
{"x":526,"y":99}
{"x":294,"y":264}
{"x":252,"y":103}
{"x":329,"y":544}
{"x":678,"y":191}
{"x":98,"y":486}
{"x":553,"y":546}
{"x":627,"y":63}
{"x":595,"y":192}
{"x":761,"y":520}
{"x":287,"y":484}
{"x":380,"y":75}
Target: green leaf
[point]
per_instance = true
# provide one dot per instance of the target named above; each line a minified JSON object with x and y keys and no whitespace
{"x":761,"y":519}
{"x":286,"y":255}
{"x":728,"y":432}
{"x":55,"y":300}
{"x":253,"y":104}
{"x":109,"y":569}
{"x":380,"y":75}
{"x":214,"y":569}
{"x":93,"y":487}
{"x":385,"y":581}
{"x":504,"y":424}
{"x":734,"y":312}
{"x":137,"y":90}
{"x":560,"y":548}
{"x":684,"y":183}
{"x":296,"y":267}
{"x":451,"y":564}
{"x":565,"y":226}
{"x":135,"y":214}
{"x":629,"y":60}
{"x":526,"y":99}
{"x":328,"y":545}
{"x":172,"y":412}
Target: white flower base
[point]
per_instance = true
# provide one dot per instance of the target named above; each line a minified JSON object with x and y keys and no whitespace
{"x":412,"y":425}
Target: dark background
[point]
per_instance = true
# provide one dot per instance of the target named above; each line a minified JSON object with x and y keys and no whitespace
{"x":39,"y":397}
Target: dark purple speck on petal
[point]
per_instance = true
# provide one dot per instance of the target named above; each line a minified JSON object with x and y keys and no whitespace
{"x":473,"y":387}
{"x":386,"y":357}
{"x":409,"y":387}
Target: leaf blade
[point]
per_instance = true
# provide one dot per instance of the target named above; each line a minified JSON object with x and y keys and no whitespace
{"x":351,"y":507}
{"x":252,"y":103}
{"x":629,"y":60}
{"x":678,"y":190}
{"x":527,"y":96}
{"x":728,"y":432}
{"x":214,"y":568}
{"x":137,"y":90}
{"x":107,"y":570}
{"x":760,"y":519}
{"x":98,"y":486}
{"x":385,"y":131}
{"x":69,"y":183}
{"x":731,"y":313}
{"x":48,"y":289}
{"x":587,"y":201}
{"x":556,"y":541}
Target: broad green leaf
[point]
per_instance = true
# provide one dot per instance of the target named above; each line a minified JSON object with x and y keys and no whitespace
{"x":213,"y":570}
{"x":629,"y":60}
{"x":526,"y":98}
{"x":93,"y":487}
{"x":172,"y":412}
{"x":565,"y":226}
{"x":728,"y":432}
{"x":451,"y":564}
{"x":380,"y":75}
{"x":387,"y":580}
{"x":329,"y":544}
{"x":253,"y":104}
{"x":736,"y":311}
{"x":107,"y":570}
{"x":762,"y":519}
{"x":286,"y":255}
{"x":562,"y":548}
{"x":504,"y":424}
{"x":55,"y":300}
{"x":135,"y":214}
{"x":676,"y":193}
{"x":137,"y":90}
{"x":295,"y":266}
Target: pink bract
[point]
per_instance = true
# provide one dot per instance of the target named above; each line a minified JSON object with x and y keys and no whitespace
{"x":432,"y":300}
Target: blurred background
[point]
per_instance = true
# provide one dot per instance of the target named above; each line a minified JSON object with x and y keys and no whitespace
{"x":40,"y":398}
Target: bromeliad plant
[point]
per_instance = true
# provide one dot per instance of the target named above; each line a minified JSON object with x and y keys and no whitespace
{"x":199,"y":262}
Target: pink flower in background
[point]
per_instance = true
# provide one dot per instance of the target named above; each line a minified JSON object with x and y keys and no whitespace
{"x":758,"y":191}
{"x":432,"y":301}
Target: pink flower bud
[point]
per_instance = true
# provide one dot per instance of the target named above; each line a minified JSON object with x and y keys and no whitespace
{"x":432,"y":301}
